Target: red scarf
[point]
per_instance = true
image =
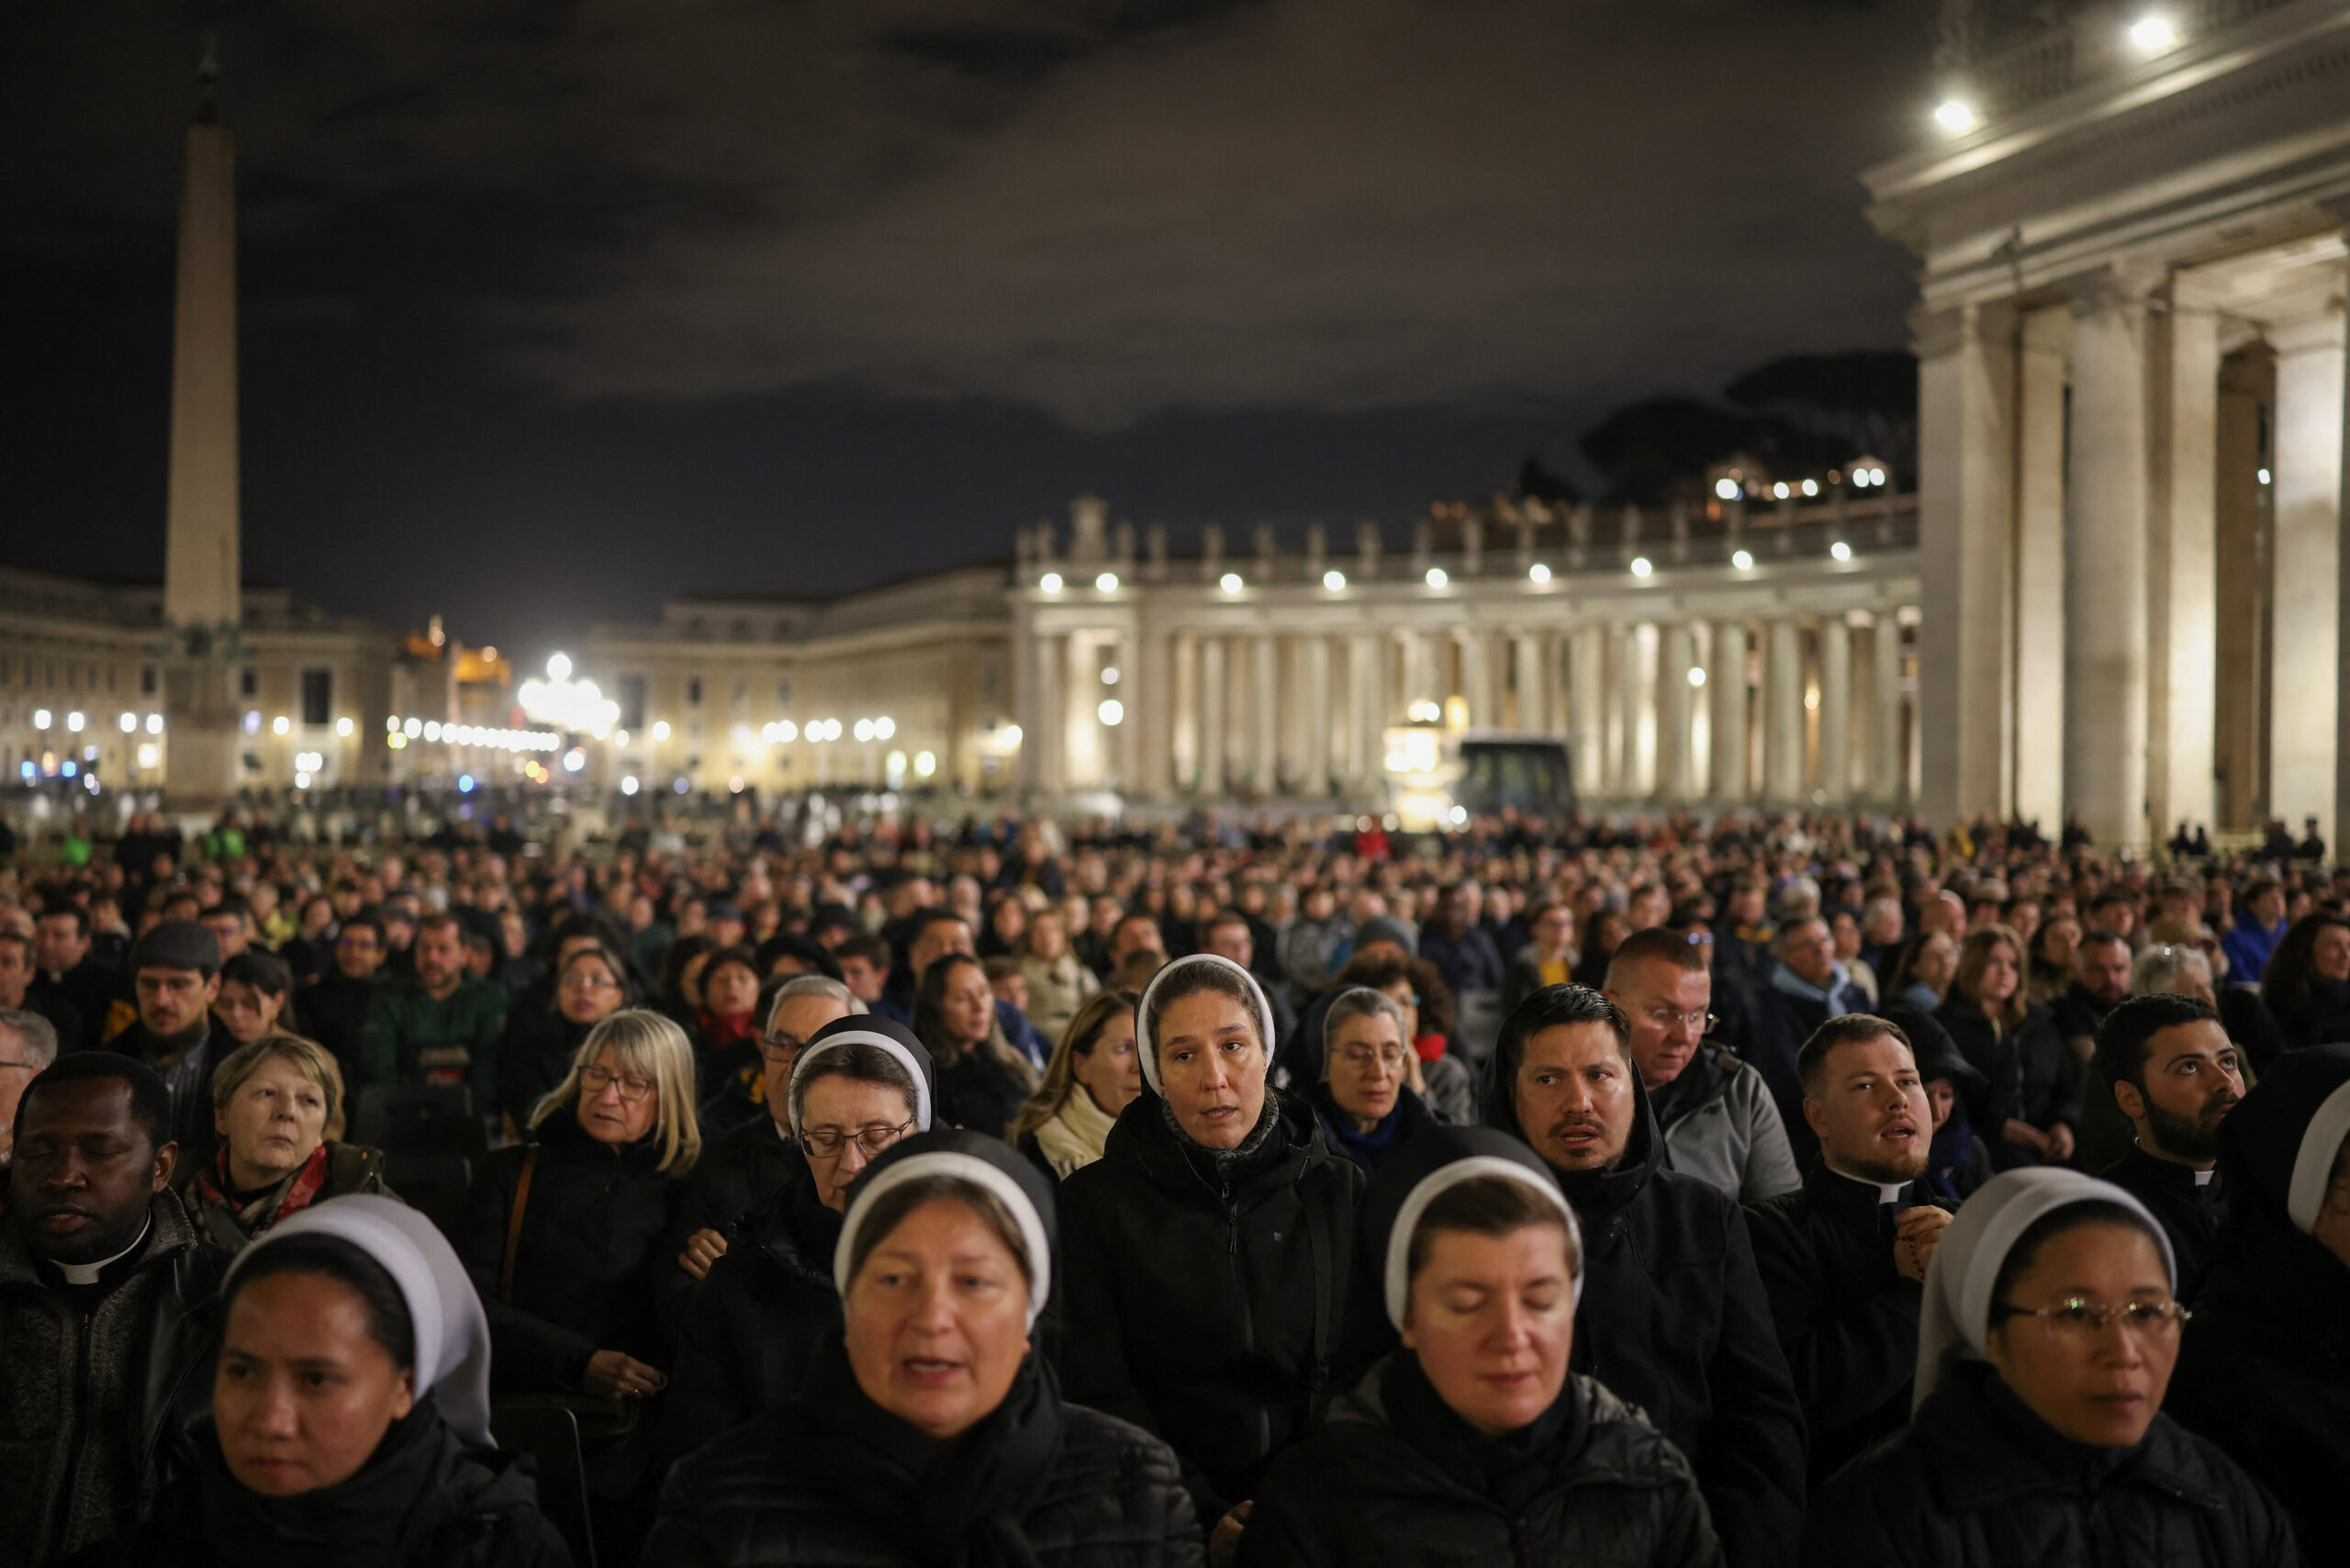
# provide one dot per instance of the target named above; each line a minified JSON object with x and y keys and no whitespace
{"x":719,"y":1030}
{"x":301,"y":1190}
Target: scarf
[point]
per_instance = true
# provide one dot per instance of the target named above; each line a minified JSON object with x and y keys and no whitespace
{"x":1785,"y":981}
{"x":1366,"y":1150}
{"x":958,"y":1503}
{"x":1073,"y":1135}
{"x":296,"y":1192}
{"x":720,"y":1031}
{"x":1222,"y":1167}
{"x":380,"y":1515}
{"x":1511,"y":1469}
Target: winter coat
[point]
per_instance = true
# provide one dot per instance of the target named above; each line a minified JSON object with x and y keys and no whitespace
{"x":423,"y":1500}
{"x":585,"y":1271}
{"x":2320,"y":1018}
{"x":333,"y":1010}
{"x":758,"y":1321}
{"x":740,"y":1173}
{"x":2028,"y":1073}
{"x":1846,"y":1318}
{"x":1722,"y":1126}
{"x":96,"y":1395}
{"x":1675,"y":1321}
{"x":1206,"y":1310}
{"x":978,"y":1093}
{"x":1056,"y":991}
{"x":1468,"y":962}
{"x":413,"y":1038}
{"x":534,"y":1059}
{"x":1357,"y":1492}
{"x":348,"y":1167}
{"x":1369,"y":1151}
{"x":1106,"y":1495}
{"x":1977,"y":1480}
{"x":2192,"y":1212}
{"x":1776,"y":1027}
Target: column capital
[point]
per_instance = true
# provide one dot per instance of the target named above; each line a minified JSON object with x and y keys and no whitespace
{"x":2122,"y":286}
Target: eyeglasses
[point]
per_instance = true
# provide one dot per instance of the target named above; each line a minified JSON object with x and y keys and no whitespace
{"x":2076,"y":1318}
{"x":779,"y":1048}
{"x":1699,"y":1023}
{"x":1364,"y":1057}
{"x":828,"y":1143}
{"x":594,"y":1081}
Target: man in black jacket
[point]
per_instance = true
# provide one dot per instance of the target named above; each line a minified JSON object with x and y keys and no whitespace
{"x":1804,"y":989}
{"x":334,"y":1006}
{"x":105,"y":1349}
{"x":1673,"y":1316}
{"x":1844,"y":1257}
{"x":2175,"y":1076}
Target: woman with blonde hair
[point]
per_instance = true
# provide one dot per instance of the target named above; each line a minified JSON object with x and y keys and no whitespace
{"x":277,"y":1105}
{"x":2029,"y":1103}
{"x":1058,"y":984}
{"x":1095,"y":1074}
{"x":564,"y":1237}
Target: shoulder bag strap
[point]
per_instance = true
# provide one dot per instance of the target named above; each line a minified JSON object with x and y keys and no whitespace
{"x":514,"y":1226}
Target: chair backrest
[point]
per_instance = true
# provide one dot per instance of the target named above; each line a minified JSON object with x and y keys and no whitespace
{"x":550,"y":1435}
{"x":434,"y":1185}
{"x":419,"y":1118}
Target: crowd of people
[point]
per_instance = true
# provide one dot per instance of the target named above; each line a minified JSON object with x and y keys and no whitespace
{"x":1749,"y":1191}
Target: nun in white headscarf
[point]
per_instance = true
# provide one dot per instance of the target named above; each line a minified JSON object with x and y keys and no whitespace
{"x":2046,"y":1347}
{"x":349,"y":1420}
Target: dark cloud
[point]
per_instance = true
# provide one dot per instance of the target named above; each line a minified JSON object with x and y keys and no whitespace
{"x":1285,"y":255}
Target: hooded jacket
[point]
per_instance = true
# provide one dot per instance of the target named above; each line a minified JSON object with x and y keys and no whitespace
{"x":2263,"y":1369}
{"x":1675,"y":1322}
{"x":1721,"y":1126}
{"x":2027,"y":1074}
{"x":95,"y":1394}
{"x":1207,"y":1311}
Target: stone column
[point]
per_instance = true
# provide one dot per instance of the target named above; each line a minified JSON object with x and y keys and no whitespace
{"x":1965,"y":561}
{"x":1587,"y":715}
{"x":1364,"y":650}
{"x":1533,"y":690}
{"x":1314,"y":649}
{"x":1150,"y":713}
{"x":1673,"y":780}
{"x":1783,"y":711}
{"x":2104,"y":570}
{"x":1835,"y":707}
{"x":1051,"y":735}
{"x":2182,"y":601}
{"x":2037,"y":669}
{"x":1885,"y":778}
{"x":1474,"y":691}
{"x":2306,"y":621}
{"x":1211,"y":691}
{"x":1184,"y":655}
{"x":1266,"y":710}
{"x":1084,"y":748}
{"x":1726,"y":680}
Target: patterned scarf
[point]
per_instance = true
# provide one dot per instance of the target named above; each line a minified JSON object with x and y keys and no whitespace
{"x":297,"y":1191}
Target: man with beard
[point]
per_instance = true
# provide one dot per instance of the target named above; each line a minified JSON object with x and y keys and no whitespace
{"x":2174,"y":1075}
{"x":1675,"y":1318}
{"x":176,"y":977}
{"x":1844,"y":1257}
{"x":105,"y":1355}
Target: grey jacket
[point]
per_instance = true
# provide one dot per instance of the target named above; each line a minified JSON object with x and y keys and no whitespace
{"x":1722,"y":1126}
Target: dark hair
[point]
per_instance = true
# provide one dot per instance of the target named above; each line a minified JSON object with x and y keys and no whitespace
{"x":683,"y":951}
{"x":1812,"y":1059}
{"x":1486,"y":1205}
{"x":865,"y":945}
{"x":860,"y":1062}
{"x":262,"y":971}
{"x":73,"y":911}
{"x":151,"y":1102}
{"x":2101,"y":936}
{"x":813,"y":955}
{"x":333,"y":1257}
{"x":1218,"y":920}
{"x":1662,"y":943}
{"x":742,"y":956}
{"x":234,"y":904}
{"x":2292,"y":967}
{"x":1560,"y":1006}
{"x":2122,"y":1039}
{"x":2255,"y":887}
{"x":2064,"y":1222}
{"x":889,"y":1211}
{"x":371,"y":917}
{"x":439,"y":918}
{"x":929,"y":998}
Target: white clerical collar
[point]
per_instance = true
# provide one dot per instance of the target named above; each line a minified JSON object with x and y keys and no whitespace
{"x":1887,"y":1192}
{"x":87,"y":1273}
{"x":2203,"y":1178}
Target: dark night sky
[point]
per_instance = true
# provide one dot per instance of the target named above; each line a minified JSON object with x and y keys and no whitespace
{"x":552,"y":309}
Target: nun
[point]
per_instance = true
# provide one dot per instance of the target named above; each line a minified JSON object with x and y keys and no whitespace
{"x":930,"y":1430}
{"x":2044,"y":1348}
{"x":349,"y":1423}
{"x":1208,"y":1247}
{"x":2266,"y":1369}
{"x":758,"y":1321}
{"x":1472,"y":1443}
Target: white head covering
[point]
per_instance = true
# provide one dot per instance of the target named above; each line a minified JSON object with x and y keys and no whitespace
{"x":916,"y":1069}
{"x":451,"y":1333}
{"x":1262,"y":1012}
{"x":963,"y":1167}
{"x":1398,"y":1271}
{"x":1956,"y":1317}
{"x":2314,"y":1161}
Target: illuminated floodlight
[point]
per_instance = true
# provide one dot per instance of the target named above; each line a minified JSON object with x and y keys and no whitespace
{"x":1538,"y":573}
{"x":1107,"y":582}
{"x":1230,"y":582}
{"x":74,"y":721}
{"x":620,"y":737}
{"x":1436,"y":577}
{"x":343,"y":728}
{"x":413,"y":729}
{"x":628,"y":785}
{"x":432,"y":730}
{"x":864,"y":728}
{"x":1640,"y":567}
{"x":1051,"y":582}
{"x":1726,"y":489}
{"x":1811,"y":486}
{"x":280,"y":725}
{"x":787,"y":731}
{"x":2264,"y":479}
{"x":1112,"y":711}
{"x":465,"y":783}
{"x":41,"y":715}
{"x":1109,"y":675}
{"x":2152,"y":34}
{"x":1840,"y":550}
{"x":130,"y":723}
{"x":1955,"y":115}
{"x":1334,"y":580}
{"x":925,"y":764}
{"x":660,"y":729}
{"x":1696,"y":675}
{"x":1779,"y":491}
{"x":884,"y":727}
{"x":1011,"y":734}
{"x":301,"y":781}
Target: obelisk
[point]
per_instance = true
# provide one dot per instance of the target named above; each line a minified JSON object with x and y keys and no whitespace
{"x":201,"y":601}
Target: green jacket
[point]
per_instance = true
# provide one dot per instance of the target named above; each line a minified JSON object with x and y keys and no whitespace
{"x":411,"y":1038}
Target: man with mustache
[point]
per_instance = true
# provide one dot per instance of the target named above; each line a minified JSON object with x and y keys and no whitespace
{"x":2174,"y":1075}
{"x":1844,"y":1257}
{"x":1673,"y":1317}
{"x":105,"y":1352}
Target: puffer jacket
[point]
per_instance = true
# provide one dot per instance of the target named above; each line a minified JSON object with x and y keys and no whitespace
{"x":1206,"y":1316}
{"x":1356,"y":1492}
{"x":1722,"y":1126}
{"x":1976,"y":1481}
{"x":1111,"y":1500}
{"x":589,"y":1266}
{"x":95,"y":1405}
{"x":423,"y":1500}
